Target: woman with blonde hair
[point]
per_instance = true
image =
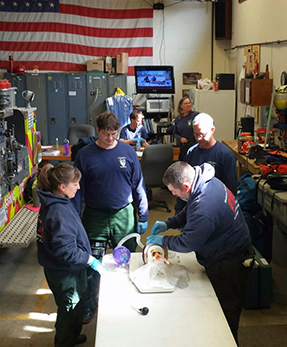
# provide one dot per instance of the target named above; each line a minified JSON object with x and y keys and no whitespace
{"x":183,"y":129}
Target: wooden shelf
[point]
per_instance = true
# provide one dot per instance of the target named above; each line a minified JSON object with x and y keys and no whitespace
{"x":256,"y":92}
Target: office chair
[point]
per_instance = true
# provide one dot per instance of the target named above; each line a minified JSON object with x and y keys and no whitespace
{"x":78,"y":131}
{"x":154,"y":162}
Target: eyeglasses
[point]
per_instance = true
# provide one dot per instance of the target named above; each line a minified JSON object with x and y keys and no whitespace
{"x":201,"y":135}
{"x":107,"y":134}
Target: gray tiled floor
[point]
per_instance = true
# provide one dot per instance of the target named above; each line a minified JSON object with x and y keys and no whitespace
{"x":27,"y":309}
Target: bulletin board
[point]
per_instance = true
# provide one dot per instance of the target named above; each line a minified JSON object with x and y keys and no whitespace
{"x":252,"y":58}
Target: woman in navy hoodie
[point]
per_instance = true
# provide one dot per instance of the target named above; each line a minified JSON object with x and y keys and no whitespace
{"x":64,"y":250}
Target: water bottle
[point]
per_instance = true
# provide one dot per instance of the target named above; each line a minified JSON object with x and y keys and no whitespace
{"x":66,"y":147}
{"x":138,"y":145}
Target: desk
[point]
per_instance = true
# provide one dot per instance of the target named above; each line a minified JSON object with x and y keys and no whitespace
{"x":175,"y":153}
{"x":62,"y":157}
{"x":186,"y":317}
{"x":244,"y":163}
{"x":59,"y":157}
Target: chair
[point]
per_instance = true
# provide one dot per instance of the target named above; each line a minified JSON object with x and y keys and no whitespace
{"x":154,"y":162}
{"x":77,"y":131}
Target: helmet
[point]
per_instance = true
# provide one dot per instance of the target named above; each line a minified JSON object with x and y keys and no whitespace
{"x":20,"y":69}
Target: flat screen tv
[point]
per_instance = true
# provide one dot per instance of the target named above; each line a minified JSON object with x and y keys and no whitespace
{"x":154,"y":79}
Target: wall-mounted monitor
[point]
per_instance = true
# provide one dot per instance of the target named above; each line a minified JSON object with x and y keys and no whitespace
{"x":154,"y":79}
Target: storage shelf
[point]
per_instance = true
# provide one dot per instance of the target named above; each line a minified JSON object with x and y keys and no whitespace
{"x":256,"y":92}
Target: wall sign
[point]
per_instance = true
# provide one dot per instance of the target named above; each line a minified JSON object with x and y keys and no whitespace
{"x":252,"y":58}
{"x":190,"y":77}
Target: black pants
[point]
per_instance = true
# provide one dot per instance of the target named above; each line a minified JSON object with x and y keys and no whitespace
{"x":70,"y":292}
{"x":228,"y":278}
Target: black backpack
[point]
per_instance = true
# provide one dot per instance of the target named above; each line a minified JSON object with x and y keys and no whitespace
{"x":277,"y":181}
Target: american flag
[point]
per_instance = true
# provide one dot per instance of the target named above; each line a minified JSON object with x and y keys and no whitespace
{"x":61,"y":35}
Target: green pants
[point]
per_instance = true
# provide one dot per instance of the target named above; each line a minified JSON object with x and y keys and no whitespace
{"x":102,"y":226}
{"x":70,"y":292}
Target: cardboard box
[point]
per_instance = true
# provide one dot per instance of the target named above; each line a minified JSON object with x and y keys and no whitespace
{"x":122,"y":62}
{"x":95,"y":65}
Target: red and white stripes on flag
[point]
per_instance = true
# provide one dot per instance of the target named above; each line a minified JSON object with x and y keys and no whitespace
{"x":82,"y":30}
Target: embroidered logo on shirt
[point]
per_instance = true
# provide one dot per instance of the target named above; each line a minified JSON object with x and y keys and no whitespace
{"x":122,"y":161}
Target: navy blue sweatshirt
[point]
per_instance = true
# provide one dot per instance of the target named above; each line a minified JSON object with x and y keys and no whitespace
{"x":111,"y":179}
{"x":221,"y":158}
{"x":183,"y":127}
{"x":62,"y":241}
{"x":213,"y":223}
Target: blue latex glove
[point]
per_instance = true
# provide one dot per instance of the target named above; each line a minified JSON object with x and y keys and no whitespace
{"x":98,"y":266}
{"x":157,"y":239}
{"x":142,"y":227}
{"x":140,"y":139}
{"x":158,"y":227}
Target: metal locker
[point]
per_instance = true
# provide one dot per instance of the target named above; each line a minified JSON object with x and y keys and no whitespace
{"x":97,"y":93}
{"x":18,"y":81}
{"x":77,"y":98}
{"x":37,"y":84}
{"x":115,"y":81}
{"x":57,"y":106}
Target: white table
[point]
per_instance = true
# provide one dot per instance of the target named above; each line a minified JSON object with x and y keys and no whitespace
{"x":190,"y":317}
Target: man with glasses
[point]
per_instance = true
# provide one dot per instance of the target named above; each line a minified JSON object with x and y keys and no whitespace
{"x":208,"y":150}
{"x":111,"y":184}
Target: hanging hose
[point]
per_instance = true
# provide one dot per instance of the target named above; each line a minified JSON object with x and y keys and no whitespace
{"x":127,"y":237}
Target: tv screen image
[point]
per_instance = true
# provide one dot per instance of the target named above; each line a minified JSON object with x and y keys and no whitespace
{"x":154,"y":79}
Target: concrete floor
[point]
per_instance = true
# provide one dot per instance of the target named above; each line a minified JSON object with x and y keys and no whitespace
{"x":27,"y":308}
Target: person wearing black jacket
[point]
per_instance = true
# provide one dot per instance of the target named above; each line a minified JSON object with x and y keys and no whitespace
{"x":64,"y":250}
